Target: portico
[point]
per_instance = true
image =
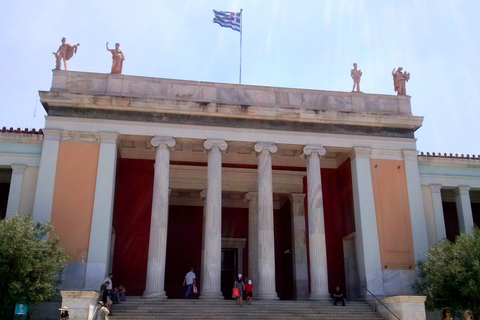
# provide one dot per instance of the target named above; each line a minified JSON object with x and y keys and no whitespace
{"x":253,"y":153}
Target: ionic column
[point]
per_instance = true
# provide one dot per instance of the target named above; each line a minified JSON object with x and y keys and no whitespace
{"x":252,"y":198}
{"x":415,"y":204}
{"x":316,"y":225}
{"x":157,"y":246}
{"x":464,"y":209}
{"x":42,"y":205}
{"x":266,"y":242}
{"x":368,"y":248}
{"x":102,"y":213}
{"x":299,"y":250}
{"x":15,"y":192}
{"x":438,"y":211}
{"x":212,"y":234}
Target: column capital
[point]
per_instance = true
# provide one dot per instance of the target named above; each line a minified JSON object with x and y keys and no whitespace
{"x":160,"y":141}
{"x":209,"y":144}
{"x":269,"y":146}
{"x":297,"y":197}
{"x":308,"y":150}
{"x":251,"y":196}
{"x":462,"y":190}
{"x":108,"y":137}
{"x":436,"y":188}
{"x":360,"y":152}
{"x":52,"y":134}
{"x":410,"y":155}
{"x":18,"y":168}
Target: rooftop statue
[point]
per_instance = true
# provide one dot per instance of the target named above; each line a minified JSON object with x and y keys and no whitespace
{"x":399,"y":79}
{"x":117,"y":58}
{"x":65,"y":52}
{"x":356,"y":74}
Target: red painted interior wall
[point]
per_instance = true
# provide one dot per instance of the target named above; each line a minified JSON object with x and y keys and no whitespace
{"x":184,"y":248}
{"x":339,"y":219}
{"x":131,"y":221}
{"x":283,"y":259}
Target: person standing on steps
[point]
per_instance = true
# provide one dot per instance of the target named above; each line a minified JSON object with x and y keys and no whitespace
{"x":249,"y":291}
{"x":240,"y":285}
{"x":189,"y":281}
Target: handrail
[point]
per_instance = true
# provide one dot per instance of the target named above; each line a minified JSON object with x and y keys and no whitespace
{"x":381,"y":302}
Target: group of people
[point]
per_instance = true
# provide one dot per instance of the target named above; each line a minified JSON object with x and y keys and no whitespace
{"x":241,"y":284}
{"x":447,"y":314}
{"x":108,"y":296}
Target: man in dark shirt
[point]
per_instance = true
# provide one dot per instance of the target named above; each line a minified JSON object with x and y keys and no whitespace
{"x":338,"y":295}
{"x":104,"y":295}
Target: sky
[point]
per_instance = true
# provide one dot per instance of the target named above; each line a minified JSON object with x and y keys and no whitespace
{"x":296,"y":44}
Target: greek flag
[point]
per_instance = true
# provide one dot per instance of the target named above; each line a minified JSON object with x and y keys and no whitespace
{"x":232,"y":20}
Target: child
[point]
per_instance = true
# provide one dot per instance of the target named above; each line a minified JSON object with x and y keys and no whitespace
{"x":102,"y":311}
{"x":249,"y":291}
{"x":64,"y":313}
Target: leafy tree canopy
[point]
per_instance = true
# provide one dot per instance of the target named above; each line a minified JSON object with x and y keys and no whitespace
{"x":29,"y":263}
{"x":450,"y":275}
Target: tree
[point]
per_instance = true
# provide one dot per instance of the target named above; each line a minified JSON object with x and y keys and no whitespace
{"x":29,"y":263}
{"x":450,"y":275}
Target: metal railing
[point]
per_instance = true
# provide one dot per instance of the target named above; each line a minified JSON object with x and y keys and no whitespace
{"x":380,"y":302}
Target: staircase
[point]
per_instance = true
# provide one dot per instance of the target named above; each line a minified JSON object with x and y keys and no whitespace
{"x":136,"y":308}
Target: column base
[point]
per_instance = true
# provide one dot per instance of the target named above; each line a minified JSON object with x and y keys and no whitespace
{"x":211,"y":295}
{"x":154,"y":295}
{"x":319,"y":296}
{"x":266,"y":296}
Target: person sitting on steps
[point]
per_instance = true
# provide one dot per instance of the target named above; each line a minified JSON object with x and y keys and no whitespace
{"x":338,"y":295}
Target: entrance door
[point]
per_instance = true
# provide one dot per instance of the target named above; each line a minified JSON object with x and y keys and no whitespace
{"x":229,"y":270}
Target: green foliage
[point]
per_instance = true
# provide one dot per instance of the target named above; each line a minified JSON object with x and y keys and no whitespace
{"x":450,"y":276}
{"x":29,"y":263}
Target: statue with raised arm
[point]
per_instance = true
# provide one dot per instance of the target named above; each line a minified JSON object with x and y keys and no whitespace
{"x":399,"y":79}
{"x":65,"y":52}
{"x":117,"y":58}
{"x":356,"y":74}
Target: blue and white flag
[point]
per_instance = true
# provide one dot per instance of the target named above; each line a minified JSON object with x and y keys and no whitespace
{"x":232,"y":20}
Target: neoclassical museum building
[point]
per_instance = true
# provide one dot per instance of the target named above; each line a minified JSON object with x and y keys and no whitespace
{"x":299,"y":190}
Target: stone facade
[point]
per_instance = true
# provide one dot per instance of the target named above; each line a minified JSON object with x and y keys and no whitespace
{"x":299,"y":180}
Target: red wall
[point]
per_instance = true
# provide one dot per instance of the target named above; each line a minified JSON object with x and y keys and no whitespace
{"x":338,"y":217}
{"x":184,"y":248}
{"x":131,"y":221}
{"x":283,"y":261}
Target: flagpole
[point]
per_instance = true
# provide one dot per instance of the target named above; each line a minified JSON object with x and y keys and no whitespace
{"x":241,"y":22}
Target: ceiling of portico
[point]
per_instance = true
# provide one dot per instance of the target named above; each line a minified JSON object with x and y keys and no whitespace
{"x":229,"y":199}
{"x":238,"y":152}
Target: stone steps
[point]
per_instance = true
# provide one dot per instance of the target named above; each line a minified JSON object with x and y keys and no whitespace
{"x":136,"y":308}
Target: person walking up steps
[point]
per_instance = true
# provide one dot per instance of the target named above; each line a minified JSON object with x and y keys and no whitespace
{"x":189,"y":281}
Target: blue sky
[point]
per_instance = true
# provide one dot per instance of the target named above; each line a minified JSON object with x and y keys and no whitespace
{"x":298,"y":44}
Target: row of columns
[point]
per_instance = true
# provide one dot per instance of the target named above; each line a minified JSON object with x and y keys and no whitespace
{"x":464,"y":210}
{"x":261,"y":229}
{"x":261,"y":237}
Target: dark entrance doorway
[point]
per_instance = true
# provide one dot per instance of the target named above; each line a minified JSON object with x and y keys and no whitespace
{"x":229,"y":270}
{"x":5,"y":178}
